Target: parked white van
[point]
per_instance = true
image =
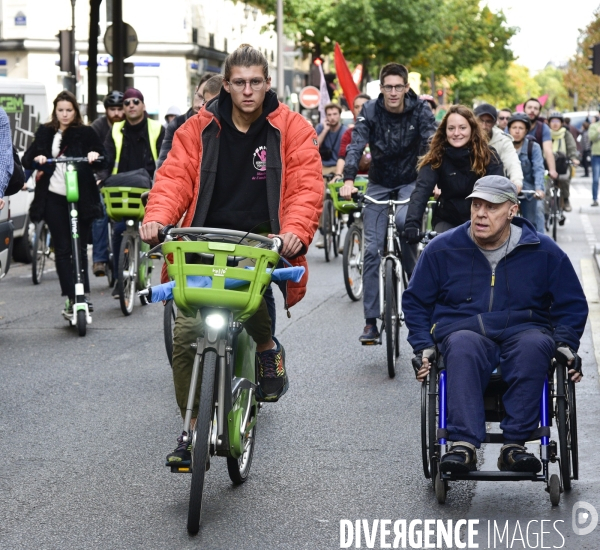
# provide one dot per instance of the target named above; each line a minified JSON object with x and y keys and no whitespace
{"x":26,"y":105}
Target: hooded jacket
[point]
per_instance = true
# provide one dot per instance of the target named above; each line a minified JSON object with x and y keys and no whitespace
{"x":185,"y":182}
{"x":395,"y":140}
{"x":453,"y":288}
{"x":503,"y":144}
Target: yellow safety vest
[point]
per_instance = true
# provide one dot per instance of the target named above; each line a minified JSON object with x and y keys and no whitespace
{"x":154,"y":128}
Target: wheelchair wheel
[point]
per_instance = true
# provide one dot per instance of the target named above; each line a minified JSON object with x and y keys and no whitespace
{"x":568,"y":459}
{"x":554,"y":490}
{"x":573,"y":427}
{"x":429,"y":425}
{"x":441,"y":487}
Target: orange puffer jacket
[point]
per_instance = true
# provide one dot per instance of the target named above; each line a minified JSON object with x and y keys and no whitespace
{"x":179,"y":179}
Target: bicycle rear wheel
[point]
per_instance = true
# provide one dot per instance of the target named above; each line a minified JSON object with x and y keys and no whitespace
{"x":41,"y":250}
{"x":127,"y":274}
{"x":390,"y":317}
{"x":336,"y":231}
{"x":554,"y":216}
{"x":353,"y":262}
{"x":200,"y":441}
{"x":169,"y":316}
{"x":327,"y":227}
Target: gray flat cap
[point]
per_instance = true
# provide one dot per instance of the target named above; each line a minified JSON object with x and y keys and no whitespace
{"x":496,"y":189}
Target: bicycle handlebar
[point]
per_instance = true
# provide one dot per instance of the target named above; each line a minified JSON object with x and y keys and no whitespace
{"x":361,"y":197}
{"x":70,"y":159}
{"x":274,"y":243}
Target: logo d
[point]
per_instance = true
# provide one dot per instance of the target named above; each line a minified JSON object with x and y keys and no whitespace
{"x":579,"y":518}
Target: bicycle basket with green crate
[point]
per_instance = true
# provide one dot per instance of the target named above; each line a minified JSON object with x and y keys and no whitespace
{"x":124,"y":203}
{"x":245,"y":296}
{"x":341,"y":205}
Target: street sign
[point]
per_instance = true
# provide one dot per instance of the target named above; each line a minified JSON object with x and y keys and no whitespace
{"x":131,"y":40}
{"x":309,"y":97}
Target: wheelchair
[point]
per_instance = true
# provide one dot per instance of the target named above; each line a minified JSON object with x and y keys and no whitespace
{"x":557,"y":405}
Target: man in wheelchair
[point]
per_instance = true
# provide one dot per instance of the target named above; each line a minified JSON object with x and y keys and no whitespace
{"x":493,"y":292}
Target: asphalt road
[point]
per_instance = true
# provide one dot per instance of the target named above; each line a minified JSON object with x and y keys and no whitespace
{"x":85,"y":424}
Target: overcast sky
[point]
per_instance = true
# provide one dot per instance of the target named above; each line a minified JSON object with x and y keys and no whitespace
{"x":549,"y":28}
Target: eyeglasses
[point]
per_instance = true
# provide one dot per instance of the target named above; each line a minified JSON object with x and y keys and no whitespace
{"x":399,"y":87}
{"x":239,"y":85}
{"x":128,"y":102}
{"x":503,"y":118}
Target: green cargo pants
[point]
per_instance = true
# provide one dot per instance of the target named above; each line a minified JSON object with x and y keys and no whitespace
{"x":187,"y":330}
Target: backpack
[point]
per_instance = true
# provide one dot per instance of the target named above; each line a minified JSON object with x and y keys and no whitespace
{"x":17,"y":180}
{"x":530,"y":141}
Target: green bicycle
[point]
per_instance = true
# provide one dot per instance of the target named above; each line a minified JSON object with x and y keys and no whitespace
{"x":134,"y":270}
{"x":353,"y":256}
{"x":224,"y":365}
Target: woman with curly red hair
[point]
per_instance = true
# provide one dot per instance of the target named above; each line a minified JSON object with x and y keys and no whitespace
{"x":458,"y":156}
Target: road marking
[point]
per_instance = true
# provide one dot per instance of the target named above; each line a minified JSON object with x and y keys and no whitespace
{"x":588,"y":229}
{"x":590,"y":288}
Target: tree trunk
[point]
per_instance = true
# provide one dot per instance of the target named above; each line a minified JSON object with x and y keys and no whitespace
{"x":92,"y":67}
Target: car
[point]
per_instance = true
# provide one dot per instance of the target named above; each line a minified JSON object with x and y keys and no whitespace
{"x":26,"y":105}
{"x":579,"y":117}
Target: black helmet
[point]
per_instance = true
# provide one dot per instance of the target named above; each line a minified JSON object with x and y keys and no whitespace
{"x":114,"y":99}
{"x":520,"y":117}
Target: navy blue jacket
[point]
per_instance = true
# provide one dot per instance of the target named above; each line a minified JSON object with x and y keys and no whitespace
{"x":452,"y":289}
{"x":396,"y":140}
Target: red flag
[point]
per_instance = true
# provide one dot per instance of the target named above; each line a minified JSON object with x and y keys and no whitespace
{"x":542,"y":99}
{"x":344,"y":76}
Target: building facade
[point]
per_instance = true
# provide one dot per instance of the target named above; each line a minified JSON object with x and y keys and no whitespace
{"x":178,"y":41}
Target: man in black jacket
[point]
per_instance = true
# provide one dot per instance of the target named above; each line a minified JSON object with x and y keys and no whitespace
{"x":207,"y":89}
{"x":397,"y":126}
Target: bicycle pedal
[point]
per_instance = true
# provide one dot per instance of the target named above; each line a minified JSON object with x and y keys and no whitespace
{"x":179,"y":469}
{"x":155,"y":256}
{"x":372,"y":342}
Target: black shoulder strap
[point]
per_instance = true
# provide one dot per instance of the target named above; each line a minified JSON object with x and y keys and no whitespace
{"x":530,"y":150}
{"x":539,"y":132}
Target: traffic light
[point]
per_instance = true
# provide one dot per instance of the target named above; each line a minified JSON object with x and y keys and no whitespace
{"x":66,"y":48}
{"x":595,"y":58}
{"x":318,"y":61}
{"x":440,"y":93}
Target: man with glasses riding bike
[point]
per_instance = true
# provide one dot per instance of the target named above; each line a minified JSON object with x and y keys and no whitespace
{"x":397,"y":126}
{"x":248,"y":163}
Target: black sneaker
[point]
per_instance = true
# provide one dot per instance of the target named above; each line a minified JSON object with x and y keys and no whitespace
{"x":272,"y":377}
{"x":370,"y":335}
{"x":115,"y":293}
{"x":515,"y":458}
{"x":460,"y":459}
{"x":182,"y":455}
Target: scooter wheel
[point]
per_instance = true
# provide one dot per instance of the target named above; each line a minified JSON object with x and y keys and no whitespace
{"x":81,"y":322}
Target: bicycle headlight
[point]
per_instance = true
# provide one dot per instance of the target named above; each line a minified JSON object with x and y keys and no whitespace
{"x":215,"y":320}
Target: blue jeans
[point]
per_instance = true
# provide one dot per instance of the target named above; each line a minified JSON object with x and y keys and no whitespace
{"x":595,"y":175}
{"x":533,"y":210}
{"x":470,"y":359}
{"x":100,"y":236}
{"x":375,"y":227}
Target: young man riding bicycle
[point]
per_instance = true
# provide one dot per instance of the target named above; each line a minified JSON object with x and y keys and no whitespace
{"x":397,"y":126}
{"x":245,"y":162}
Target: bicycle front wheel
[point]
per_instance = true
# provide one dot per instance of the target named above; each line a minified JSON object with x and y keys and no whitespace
{"x":390,"y":317}
{"x":201,"y":441}
{"x":327,"y":223}
{"x":41,"y":250}
{"x":127,"y":274}
{"x":353,"y":262}
{"x":169,"y":316}
{"x":555,"y":215}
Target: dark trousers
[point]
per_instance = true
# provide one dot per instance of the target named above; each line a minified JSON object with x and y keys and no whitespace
{"x":57,"y":217}
{"x":470,"y":360}
{"x":117,"y":239}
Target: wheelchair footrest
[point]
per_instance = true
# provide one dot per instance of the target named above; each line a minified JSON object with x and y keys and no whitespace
{"x":493,"y":476}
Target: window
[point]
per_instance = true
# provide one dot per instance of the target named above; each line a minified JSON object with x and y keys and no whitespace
{"x":225,"y":45}
{"x":211,"y":40}
{"x":194,"y":35}
{"x":109,"y":11}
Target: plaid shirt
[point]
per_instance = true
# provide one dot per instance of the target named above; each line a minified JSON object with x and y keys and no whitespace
{"x":6,"y":152}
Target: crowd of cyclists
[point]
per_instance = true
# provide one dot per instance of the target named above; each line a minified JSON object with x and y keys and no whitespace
{"x":240,"y":159}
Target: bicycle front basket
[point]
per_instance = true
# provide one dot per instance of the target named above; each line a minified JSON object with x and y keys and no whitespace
{"x":243,"y":300}
{"x":124,"y":203}
{"x":340,"y":204}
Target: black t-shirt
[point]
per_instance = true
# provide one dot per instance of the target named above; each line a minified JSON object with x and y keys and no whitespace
{"x":239,"y":200}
